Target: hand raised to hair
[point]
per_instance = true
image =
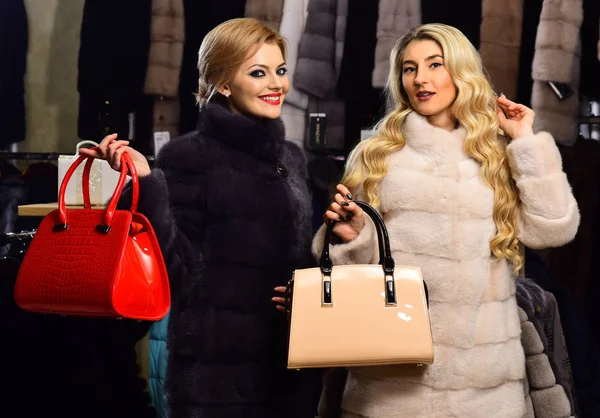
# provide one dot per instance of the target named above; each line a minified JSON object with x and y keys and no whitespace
{"x":516,"y":120}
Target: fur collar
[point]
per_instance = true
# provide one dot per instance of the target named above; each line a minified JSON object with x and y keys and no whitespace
{"x":428,"y":139}
{"x":262,"y":138}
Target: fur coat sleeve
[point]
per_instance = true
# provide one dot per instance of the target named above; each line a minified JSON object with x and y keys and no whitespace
{"x":549,"y":215}
{"x":175,"y":221}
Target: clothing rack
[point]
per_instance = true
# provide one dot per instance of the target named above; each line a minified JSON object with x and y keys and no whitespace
{"x":39,"y":156}
{"x":589,"y":120}
{"x":12,"y":237}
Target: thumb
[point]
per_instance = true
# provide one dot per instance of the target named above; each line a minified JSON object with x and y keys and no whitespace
{"x":500,"y":114}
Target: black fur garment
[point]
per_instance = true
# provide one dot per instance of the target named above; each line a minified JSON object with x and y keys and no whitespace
{"x":232,"y":211}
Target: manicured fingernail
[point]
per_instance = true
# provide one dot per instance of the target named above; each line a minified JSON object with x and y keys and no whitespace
{"x":349,"y":196}
{"x":342,"y":219}
{"x":350,"y":215}
{"x":345,"y":204}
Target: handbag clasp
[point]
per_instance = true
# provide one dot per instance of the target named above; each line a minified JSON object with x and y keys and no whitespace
{"x":326,"y":291}
{"x":390,"y":291}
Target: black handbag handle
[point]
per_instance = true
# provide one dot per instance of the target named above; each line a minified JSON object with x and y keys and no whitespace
{"x":385,"y":254}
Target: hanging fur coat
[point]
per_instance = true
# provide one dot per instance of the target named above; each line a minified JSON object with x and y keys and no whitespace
{"x":396,"y":17}
{"x":319,"y":63}
{"x":557,"y":58}
{"x":500,"y":43}
{"x":548,"y":383}
{"x":293,"y":111}
{"x":439,"y":216}
{"x":267,"y":11}
{"x":167,"y":37}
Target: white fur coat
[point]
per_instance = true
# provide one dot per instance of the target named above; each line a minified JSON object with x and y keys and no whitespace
{"x":439,"y":216}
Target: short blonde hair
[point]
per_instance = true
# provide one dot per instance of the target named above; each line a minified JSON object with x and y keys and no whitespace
{"x":225,"y":48}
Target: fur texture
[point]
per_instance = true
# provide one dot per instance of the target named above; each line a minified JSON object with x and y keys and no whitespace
{"x":395,"y":19}
{"x":293,"y":111}
{"x":500,"y":44}
{"x":231,"y":228}
{"x":439,"y":216}
{"x":267,"y":11}
{"x":557,"y":58}
{"x":548,"y":398}
{"x":166,"y":48}
{"x":319,"y":64}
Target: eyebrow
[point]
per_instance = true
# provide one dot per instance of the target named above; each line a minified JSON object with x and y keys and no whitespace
{"x":426,"y":59}
{"x":266,"y":67}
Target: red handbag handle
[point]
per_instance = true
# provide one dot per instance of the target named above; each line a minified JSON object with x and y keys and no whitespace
{"x":126,"y":165}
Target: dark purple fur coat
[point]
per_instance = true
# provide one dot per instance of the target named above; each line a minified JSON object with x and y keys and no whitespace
{"x":232,"y":211}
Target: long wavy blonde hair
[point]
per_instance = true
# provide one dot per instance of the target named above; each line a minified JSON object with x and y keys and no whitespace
{"x":474,"y":108}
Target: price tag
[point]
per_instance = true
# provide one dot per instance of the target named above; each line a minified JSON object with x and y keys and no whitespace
{"x":160,"y":139}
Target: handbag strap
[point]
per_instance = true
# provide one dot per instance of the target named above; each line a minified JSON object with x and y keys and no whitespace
{"x":127,"y":165}
{"x":385,"y":254}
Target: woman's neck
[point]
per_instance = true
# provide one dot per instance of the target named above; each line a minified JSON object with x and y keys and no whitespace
{"x":443,"y":120}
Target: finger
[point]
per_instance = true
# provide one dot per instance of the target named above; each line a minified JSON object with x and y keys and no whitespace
{"x":280,"y":289}
{"x":280,"y":308}
{"x":107,"y":140}
{"x":114,"y":146}
{"x":117,"y":144}
{"x":500,"y":114}
{"x":117,"y":157}
{"x":341,"y":201}
{"x":330,"y":216}
{"x":345,"y":206}
{"x":343,"y":190}
{"x":334,"y":207}
{"x":505,"y":99}
{"x":280,"y":301}
{"x":518,"y":106}
{"x":112,"y":149}
{"x":90,"y":153}
{"x":502,"y":105}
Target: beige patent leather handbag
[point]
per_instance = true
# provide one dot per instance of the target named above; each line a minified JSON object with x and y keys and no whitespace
{"x":358,"y":315}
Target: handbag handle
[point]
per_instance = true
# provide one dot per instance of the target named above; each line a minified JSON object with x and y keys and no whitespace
{"x":86,"y":142}
{"x":385,"y":256}
{"x":126,"y":165}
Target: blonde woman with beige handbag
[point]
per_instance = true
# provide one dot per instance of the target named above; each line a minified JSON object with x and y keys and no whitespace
{"x":462,"y":183}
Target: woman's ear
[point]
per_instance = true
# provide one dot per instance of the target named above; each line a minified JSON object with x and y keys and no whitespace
{"x":224,"y":90}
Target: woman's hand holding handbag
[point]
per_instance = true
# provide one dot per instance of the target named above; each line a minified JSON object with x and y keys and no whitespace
{"x":95,"y":262}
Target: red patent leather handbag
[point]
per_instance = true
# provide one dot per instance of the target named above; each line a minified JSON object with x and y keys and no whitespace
{"x":95,"y":262}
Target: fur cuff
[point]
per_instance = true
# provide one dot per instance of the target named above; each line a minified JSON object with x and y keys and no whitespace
{"x":361,"y":250}
{"x":534,"y":156}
